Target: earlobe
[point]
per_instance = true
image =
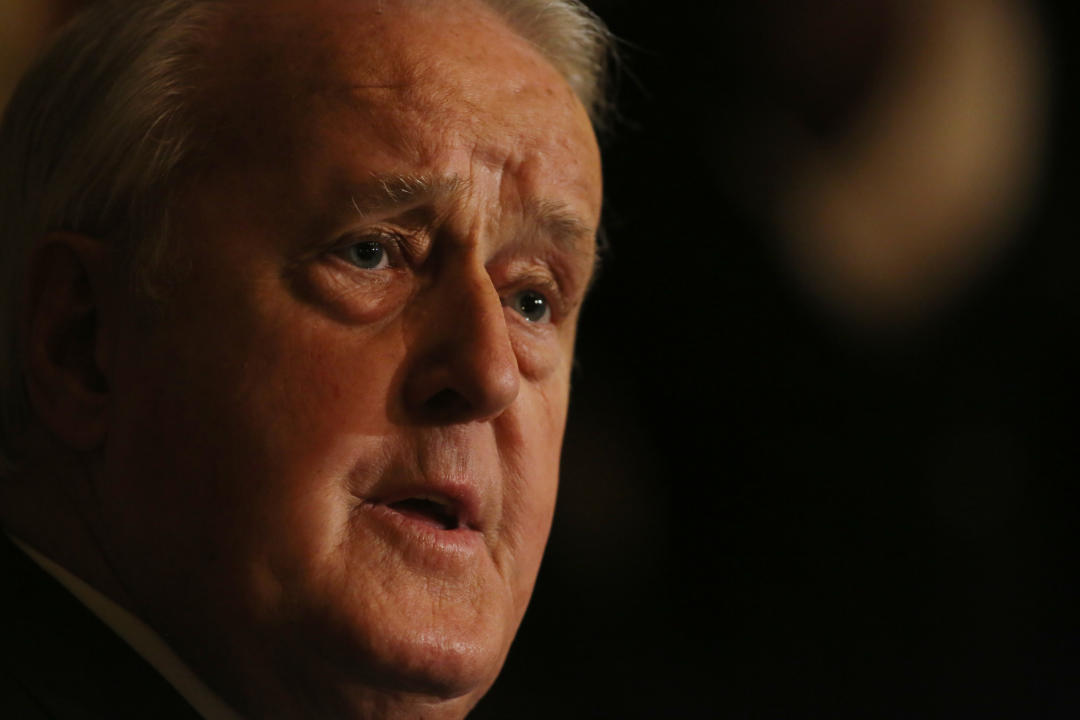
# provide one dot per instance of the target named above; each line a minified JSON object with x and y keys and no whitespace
{"x":63,"y":339}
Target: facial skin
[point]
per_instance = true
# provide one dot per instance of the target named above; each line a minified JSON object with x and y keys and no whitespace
{"x":356,"y":324}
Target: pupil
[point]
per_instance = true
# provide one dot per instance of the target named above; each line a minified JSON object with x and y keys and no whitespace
{"x":368,"y":254}
{"x":532,"y":306}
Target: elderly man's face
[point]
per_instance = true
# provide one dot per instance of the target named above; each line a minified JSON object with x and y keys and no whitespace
{"x":332,"y":463}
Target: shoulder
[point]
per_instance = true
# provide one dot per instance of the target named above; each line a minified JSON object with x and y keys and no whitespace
{"x":16,"y":701}
{"x":57,"y":660}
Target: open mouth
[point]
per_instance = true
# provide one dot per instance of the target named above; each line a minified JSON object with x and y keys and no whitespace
{"x":436,"y":513}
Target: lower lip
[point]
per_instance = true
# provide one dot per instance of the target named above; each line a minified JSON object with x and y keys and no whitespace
{"x":423,"y":540}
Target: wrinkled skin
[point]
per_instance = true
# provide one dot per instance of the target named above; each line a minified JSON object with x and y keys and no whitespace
{"x":356,"y":324}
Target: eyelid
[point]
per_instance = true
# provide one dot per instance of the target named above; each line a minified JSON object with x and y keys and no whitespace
{"x":393,"y":242}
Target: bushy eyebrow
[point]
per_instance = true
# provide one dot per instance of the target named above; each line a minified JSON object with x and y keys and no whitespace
{"x":561,"y":223}
{"x":553,"y":219}
{"x":568,"y":231}
{"x":386,"y":193}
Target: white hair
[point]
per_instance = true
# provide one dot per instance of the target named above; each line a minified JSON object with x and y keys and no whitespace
{"x":572,"y":38}
{"x":97,"y":136}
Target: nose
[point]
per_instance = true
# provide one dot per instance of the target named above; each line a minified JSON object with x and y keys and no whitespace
{"x":464,"y":367}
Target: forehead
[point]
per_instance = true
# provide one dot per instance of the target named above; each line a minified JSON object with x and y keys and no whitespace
{"x":372,"y":40}
{"x":409,"y":78}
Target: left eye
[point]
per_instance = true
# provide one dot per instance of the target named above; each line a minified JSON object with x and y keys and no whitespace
{"x":369,"y":255}
{"x":531,"y":305}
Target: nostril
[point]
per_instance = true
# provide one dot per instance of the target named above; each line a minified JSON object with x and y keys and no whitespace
{"x":465,"y":367}
{"x":446,"y":402}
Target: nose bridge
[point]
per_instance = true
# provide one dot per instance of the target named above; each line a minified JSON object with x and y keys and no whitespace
{"x":480,"y":306}
{"x":467,"y":369}
{"x":478,"y":323}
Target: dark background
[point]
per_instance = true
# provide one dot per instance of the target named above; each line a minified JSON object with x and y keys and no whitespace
{"x":764,"y":514}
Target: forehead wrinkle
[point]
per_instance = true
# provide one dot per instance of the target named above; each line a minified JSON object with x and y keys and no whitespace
{"x":274,"y":59}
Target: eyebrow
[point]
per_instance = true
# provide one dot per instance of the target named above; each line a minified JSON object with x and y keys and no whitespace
{"x":560,"y":222}
{"x":390,"y":192}
{"x":554,"y":219}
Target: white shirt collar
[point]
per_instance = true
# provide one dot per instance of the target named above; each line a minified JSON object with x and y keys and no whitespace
{"x":142,"y":639}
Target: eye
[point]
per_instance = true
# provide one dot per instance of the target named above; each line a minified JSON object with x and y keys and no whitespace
{"x":531,"y":305}
{"x":368,"y":255}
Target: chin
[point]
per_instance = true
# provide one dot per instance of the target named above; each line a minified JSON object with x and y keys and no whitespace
{"x":371,"y":704}
{"x":440,"y":664}
{"x":423,"y":678}
{"x":413,"y":654}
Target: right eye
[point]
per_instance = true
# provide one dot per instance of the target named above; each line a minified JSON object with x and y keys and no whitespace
{"x":367,"y":255}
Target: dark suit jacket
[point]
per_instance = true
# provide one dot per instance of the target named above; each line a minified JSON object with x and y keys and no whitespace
{"x":57,"y":660}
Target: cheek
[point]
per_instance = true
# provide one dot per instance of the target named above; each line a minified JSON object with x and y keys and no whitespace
{"x":320,"y":381}
{"x":531,"y":440}
{"x":538,"y":350}
{"x":267,"y":426}
{"x":318,"y":403}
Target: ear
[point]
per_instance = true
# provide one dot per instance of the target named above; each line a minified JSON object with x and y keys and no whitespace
{"x":63,"y":339}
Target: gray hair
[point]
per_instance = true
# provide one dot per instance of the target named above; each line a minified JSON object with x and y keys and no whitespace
{"x":98,"y":134}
